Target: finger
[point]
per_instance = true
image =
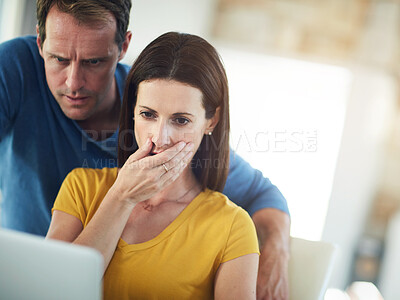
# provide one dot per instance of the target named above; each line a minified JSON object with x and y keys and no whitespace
{"x":167,"y":155}
{"x":177,"y":169}
{"x":172,"y":175}
{"x":170,"y":179}
{"x":142,"y":152}
{"x":183,"y":156}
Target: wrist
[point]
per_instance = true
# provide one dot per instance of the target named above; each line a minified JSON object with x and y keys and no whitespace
{"x":117,"y":197}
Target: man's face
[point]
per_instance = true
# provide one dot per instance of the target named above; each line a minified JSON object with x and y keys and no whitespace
{"x":80,"y":61}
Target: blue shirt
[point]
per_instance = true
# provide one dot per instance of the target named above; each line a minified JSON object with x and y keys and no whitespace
{"x":39,"y":146}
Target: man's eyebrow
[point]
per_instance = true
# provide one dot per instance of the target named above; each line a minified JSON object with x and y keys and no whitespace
{"x":91,"y":58}
{"x":54,"y":55}
{"x":174,"y":114}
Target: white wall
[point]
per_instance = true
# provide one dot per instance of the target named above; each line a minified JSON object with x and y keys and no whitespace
{"x":287,"y":119}
{"x":11,"y":15}
{"x":151,"y":18}
{"x":358,"y":169}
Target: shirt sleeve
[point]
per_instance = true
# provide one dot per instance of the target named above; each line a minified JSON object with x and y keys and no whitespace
{"x":242,"y":238}
{"x":11,"y":86}
{"x":69,"y":197}
{"x":248,"y":188}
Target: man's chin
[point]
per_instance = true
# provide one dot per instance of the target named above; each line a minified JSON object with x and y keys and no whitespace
{"x":77,"y":114}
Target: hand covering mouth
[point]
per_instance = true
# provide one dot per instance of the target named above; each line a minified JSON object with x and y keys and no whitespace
{"x":153,"y":151}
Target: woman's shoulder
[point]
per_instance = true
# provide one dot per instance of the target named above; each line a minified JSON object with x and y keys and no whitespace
{"x":227,"y":221}
{"x":217,"y":198}
{"x":91,"y":175}
{"x":93,"y":172}
{"x":220,"y":205}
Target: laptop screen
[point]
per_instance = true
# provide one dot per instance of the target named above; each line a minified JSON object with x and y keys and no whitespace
{"x":34,"y":268}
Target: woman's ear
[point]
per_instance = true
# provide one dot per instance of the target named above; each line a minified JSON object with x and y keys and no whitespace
{"x":213,"y":121}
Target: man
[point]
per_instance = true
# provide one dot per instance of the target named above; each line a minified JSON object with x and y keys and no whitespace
{"x":59,"y":106}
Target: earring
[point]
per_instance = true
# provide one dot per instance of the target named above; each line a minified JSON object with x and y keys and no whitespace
{"x":210,"y":133}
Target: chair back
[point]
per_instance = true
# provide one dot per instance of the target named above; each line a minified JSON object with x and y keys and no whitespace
{"x":310,"y":267}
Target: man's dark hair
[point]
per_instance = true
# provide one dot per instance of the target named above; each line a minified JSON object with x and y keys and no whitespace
{"x":87,"y":11}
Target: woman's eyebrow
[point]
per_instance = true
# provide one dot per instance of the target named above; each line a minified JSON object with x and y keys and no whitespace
{"x":174,"y":114}
{"x":145,"y":107}
{"x":182,"y":113}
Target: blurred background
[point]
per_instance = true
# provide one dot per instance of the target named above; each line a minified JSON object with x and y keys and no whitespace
{"x":314,"y":105}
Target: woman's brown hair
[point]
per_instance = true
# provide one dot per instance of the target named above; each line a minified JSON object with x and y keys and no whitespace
{"x":191,"y":60}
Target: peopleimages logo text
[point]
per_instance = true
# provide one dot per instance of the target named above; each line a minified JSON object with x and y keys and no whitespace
{"x":277,"y":140}
{"x":284,"y":140}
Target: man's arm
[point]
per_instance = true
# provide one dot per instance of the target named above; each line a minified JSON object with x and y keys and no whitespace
{"x":248,"y":188}
{"x":273,"y":228}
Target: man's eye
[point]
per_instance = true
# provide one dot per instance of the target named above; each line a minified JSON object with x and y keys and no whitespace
{"x":60,"y":59}
{"x":91,"y":62}
{"x":181,"y":121}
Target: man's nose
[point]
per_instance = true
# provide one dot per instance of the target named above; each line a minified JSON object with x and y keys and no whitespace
{"x":161,"y":134}
{"x":75,"y":77}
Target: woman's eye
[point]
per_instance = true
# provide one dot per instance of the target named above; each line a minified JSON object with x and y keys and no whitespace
{"x":147,"y":115}
{"x":181,"y":121}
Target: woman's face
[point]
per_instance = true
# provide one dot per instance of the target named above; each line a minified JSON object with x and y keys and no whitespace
{"x":168,"y":112}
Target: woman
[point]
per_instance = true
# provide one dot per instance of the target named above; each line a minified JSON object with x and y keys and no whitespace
{"x":159,"y":220}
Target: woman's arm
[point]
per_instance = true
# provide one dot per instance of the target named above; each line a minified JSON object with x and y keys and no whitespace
{"x":140,"y":178}
{"x":236,"y":278}
{"x":102,"y":232}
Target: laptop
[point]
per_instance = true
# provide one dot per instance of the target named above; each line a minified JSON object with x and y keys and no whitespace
{"x":34,"y":268}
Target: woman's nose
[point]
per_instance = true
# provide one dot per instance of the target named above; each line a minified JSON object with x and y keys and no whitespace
{"x":161,"y":135}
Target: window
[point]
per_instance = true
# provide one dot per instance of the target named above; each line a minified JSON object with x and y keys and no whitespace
{"x":17,"y":18}
{"x":287,"y":118}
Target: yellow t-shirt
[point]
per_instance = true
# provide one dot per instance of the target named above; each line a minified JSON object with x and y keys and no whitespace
{"x":181,"y":262}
